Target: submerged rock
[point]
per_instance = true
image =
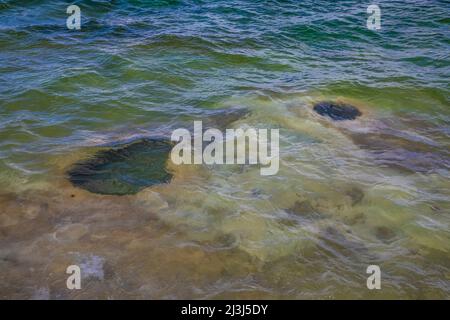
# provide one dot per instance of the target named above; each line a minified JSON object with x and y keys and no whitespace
{"x":337,"y":111}
{"x":221,"y":119}
{"x":124,"y":170}
{"x":356,"y":195}
{"x":302,"y":208}
{"x":396,"y":149}
{"x":406,"y":142}
{"x":305,"y":209}
{"x":131,"y":167}
{"x":384,"y":234}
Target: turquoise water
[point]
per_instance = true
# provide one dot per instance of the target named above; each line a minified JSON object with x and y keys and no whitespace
{"x":140,"y":68}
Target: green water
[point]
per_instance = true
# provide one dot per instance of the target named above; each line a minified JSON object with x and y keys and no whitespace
{"x":374,"y":191}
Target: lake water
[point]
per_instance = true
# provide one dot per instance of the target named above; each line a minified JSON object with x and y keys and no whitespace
{"x":348,"y":194}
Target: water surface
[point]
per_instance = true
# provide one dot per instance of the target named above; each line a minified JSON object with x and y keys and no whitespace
{"x":373,"y":191}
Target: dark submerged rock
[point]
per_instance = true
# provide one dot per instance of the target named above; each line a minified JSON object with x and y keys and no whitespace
{"x":394,"y":149}
{"x":131,"y":167}
{"x":302,"y":208}
{"x":221,"y":119}
{"x":337,"y":111}
{"x":384,"y":234}
{"x":356,"y":195}
{"x":306,"y":210}
{"x":124,"y":170}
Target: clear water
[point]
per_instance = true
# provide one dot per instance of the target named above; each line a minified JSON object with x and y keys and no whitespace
{"x":374,"y":191}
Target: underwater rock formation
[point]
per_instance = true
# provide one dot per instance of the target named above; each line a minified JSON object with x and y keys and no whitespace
{"x":356,"y":195}
{"x":385,"y":234}
{"x":403,"y":142}
{"x":222,"y":118}
{"x":337,"y":111}
{"x":402,"y":149}
{"x":124,"y":170}
{"x":131,"y":167}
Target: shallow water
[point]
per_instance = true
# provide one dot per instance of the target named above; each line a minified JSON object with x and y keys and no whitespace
{"x":349,"y":194}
